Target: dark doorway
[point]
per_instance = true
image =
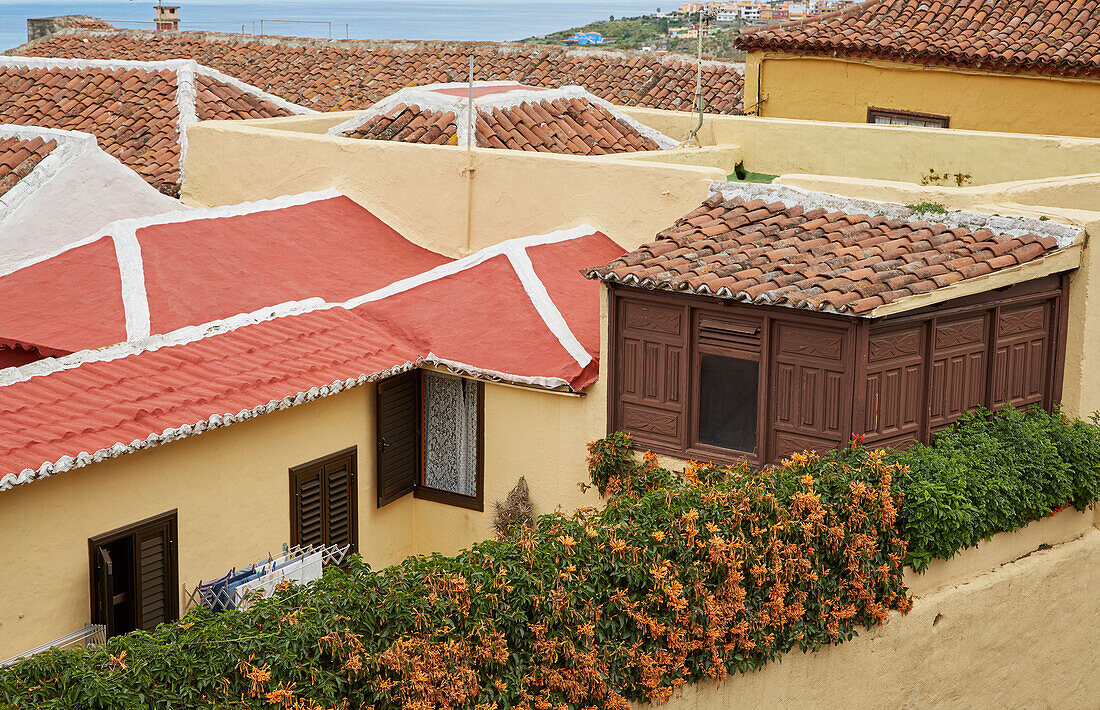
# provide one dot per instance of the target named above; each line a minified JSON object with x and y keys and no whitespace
{"x":134,"y":573}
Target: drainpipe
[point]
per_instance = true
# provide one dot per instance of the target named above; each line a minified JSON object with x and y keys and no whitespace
{"x":468,"y":171}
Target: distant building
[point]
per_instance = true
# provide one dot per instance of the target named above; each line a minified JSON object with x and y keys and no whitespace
{"x":585,"y":38}
{"x":168,"y":18}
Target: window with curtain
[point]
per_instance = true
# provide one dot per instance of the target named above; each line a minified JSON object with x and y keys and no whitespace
{"x":451,"y":417}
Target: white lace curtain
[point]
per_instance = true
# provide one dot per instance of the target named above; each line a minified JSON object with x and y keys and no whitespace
{"x":450,"y":433}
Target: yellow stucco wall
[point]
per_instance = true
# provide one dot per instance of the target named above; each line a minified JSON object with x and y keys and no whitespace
{"x":420,"y":190}
{"x":231,"y":489}
{"x":860,"y":150}
{"x":842,"y":89}
{"x":1020,"y":636}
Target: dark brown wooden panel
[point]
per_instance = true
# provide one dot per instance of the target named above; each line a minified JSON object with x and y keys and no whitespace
{"x":959,"y":368}
{"x":1021,"y":361}
{"x":649,"y":360}
{"x":894,"y":383}
{"x":398,"y":465}
{"x":154,"y":584}
{"x":811,"y":386}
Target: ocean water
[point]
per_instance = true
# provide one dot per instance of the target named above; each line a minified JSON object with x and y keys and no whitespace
{"x":495,"y":20}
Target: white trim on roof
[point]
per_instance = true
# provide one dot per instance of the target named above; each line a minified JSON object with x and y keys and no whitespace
{"x":131,"y":271}
{"x":124,"y":226}
{"x":547,"y":309}
{"x":70,"y":146}
{"x":186,"y":86}
{"x":428,"y":98}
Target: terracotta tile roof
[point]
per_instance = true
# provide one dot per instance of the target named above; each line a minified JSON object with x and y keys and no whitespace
{"x":779,"y":246}
{"x":59,"y":415}
{"x":133,"y":108}
{"x":1040,"y":36}
{"x":349,"y":75}
{"x":509,"y":115}
{"x":19,"y":156}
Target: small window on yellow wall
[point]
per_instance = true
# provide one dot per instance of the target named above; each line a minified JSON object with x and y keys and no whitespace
{"x":894,"y":117}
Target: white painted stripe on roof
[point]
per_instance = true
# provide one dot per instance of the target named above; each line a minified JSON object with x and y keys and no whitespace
{"x":70,"y":146}
{"x":468,"y":262}
{"x":131,"y":269}
{"x":183,"y":215}
{"x":547,"y":309}
{"x":111,"y":64}
{"x":188,"y":334}
{"x":187,"y":113}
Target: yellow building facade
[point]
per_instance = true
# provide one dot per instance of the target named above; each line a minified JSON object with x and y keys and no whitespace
{"x":856,"y":90}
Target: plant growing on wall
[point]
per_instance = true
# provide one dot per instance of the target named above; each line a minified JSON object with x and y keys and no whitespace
{"x":679,"y":578}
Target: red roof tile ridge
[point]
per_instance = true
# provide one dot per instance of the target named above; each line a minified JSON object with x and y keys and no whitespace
{"x":1050,"y":37}
{"x":847,"y":10}
{"x":666,"y":58}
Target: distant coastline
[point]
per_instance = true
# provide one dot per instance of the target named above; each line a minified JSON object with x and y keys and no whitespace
{"x":464,"y":20}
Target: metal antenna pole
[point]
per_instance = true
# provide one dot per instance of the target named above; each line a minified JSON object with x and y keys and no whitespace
{"x":470,"y":108}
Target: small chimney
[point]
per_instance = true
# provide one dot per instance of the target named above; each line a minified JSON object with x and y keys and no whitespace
{"x":168,"y":18}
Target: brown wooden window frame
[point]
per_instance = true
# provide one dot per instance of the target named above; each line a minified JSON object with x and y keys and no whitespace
{"x":752,"y":353}
{"x":171,"y":581}
{"x":348,"y":456}
{"x":419,"y":490}
{"x":874,"y":112}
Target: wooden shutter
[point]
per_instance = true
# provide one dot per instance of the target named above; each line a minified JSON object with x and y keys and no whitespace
{"x":341,"y":505}
{"x":650,"y":372}
{"x":155,"y":578}
{"x":324,"y":496}
{"x":1022,"y":354}
{"x":104,"y":588}
{"x":308,"y":518}
{"x":398,"y":414}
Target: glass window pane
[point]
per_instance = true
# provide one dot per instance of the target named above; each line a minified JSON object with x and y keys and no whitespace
{"x":450,"y":434}
{"x":728,"y":402}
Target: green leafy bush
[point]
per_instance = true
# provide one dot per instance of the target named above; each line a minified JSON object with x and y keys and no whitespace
{"x":991,"y":473}
{"x":677,"y":579}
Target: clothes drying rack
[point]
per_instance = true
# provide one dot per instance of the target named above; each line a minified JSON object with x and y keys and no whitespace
{"x":202,"y":595}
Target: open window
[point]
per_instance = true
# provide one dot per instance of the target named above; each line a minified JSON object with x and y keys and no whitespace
{"x":134,"y":576}
{"x":727,"y":401}
{"x":430,"y":434}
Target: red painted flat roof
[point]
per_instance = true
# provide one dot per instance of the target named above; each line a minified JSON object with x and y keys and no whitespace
{"x":204,"y":265}
{"x":517,"y":312}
